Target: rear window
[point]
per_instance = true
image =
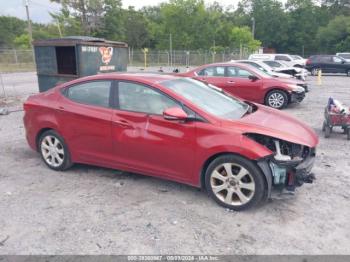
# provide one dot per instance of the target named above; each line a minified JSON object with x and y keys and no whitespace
{"x":94,"y":93}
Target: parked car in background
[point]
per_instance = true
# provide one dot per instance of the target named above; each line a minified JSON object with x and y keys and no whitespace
{"x":345,"y":56}
{"x":249,"y":83}
{"x":173,"y":128}
{"x":328,"y":64}
{"x":281,"y":67}
{"x":286,"y":58}
{"x":263,"y":67}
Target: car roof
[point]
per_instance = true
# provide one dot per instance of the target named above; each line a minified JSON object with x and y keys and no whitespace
{"x":144,"y":77}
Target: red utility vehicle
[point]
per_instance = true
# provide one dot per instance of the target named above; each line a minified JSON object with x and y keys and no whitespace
{"x":173,"y":128}
{"x":249,"y":83}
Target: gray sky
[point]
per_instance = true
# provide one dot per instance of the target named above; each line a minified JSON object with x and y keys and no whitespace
{"x":39,"y":9}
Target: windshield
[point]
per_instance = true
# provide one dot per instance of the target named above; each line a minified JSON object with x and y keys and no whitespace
{"x":256,"y":71}
{"x":296,"y":57}
{"x":257,"y":66}
{"x":346,"y":56}
{"x":208,"y":99}
{"x":273,"y":64}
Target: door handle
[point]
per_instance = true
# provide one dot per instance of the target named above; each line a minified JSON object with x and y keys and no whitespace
{"x":60,"y":108}
{"x":230,"y":82}
{"x":122,"y":123}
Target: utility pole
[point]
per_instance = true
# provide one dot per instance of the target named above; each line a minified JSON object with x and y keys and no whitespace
{"x":29,"y":23}
{"x":171,"y":50}
{"x":253,"y":27}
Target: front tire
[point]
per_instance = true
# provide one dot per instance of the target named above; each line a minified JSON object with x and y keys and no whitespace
{"x":54,"y":151}
{"x":314,"y":71}
{"x":327,"y":131}
{"x":276,"y":99}
{"x":234,"y":182}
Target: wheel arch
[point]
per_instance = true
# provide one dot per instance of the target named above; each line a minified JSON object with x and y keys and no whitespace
{"x":213,"y":157}
{"x":39,"y":134}
{"x":276,"y":88}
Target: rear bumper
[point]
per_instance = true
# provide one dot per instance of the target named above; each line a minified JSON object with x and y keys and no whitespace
{"x":30,"y":136}
{"x":297,"y":97}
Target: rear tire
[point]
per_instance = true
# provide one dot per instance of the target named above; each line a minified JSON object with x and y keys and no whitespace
{"x":54,"y":151}
{"x":235,"y":182}
{"x":276,"y":99}
{"x":348,"y":133}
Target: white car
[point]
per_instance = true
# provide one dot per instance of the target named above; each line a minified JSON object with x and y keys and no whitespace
{"x":346,"y":56}
{"x":281,"y":67}
{"x":263,"y":67}
{"x":286,"y":58}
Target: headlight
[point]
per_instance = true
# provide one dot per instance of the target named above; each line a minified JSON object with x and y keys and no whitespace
{"x":296,"y":88}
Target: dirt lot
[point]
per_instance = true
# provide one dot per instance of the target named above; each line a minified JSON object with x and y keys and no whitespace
{"x":91,"y":210}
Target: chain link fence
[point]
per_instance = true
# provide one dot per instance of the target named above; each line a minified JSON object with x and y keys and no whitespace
{"x":13,"y":60}
{"x":183,"y":57}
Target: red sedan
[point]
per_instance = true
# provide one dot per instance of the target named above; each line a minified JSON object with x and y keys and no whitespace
{"x":173,"y":128}
{"x":249,"y":83}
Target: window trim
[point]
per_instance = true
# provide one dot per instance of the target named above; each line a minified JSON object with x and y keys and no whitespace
{"x":116,"y":103}
{"x":64,"y":92}
{"x":197,"y":73}
{"x":184,"y":107}
{"x":241,"y":77}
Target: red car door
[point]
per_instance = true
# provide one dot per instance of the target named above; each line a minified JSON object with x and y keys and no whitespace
{"x":239,"y":83}
{"x":144,"y":141}
{"x":84,"y":117}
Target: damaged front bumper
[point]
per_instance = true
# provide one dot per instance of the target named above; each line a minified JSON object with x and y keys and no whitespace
{"x":286,"y":175}
{"x":297,"y":97}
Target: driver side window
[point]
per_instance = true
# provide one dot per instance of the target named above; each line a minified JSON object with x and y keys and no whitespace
{"x":139,"y":98}
{"x":233,"y":71}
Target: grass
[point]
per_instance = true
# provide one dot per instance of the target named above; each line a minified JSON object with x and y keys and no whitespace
{"x":20,"y":67}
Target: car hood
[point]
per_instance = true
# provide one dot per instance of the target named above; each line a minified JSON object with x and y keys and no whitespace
{"x":280,"y":75}
{"x":274,"y":123}
{"x":293,"y":81}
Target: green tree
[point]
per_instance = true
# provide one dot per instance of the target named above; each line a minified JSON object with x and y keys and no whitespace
{"x":135,"y":26}
{"x":10,"y":28}
{"x":113,"y":21}
{"x":22,"y":41}
{"x":69,"y":24}
{"x":89,"y":12}
{"x":242,"y":36}
{"x":304,"y":18}
{"x":335,"y":37}
{"x":270,"y":19}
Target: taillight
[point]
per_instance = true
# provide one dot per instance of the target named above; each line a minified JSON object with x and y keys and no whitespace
{"x":308,"y":61}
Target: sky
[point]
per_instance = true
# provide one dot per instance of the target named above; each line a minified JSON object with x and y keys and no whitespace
{"x":39,"y":9}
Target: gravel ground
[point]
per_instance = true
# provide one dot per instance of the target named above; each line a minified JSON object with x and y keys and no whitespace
{"x":92,"y":210}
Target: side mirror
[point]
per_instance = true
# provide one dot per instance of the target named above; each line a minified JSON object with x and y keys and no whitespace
{"x":174,"y":113}
{"x":253,"y":77}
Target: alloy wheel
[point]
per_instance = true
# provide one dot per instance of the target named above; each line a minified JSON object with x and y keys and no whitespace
{"x":232,"y":184}
{"x":276,"y":100}
{"x":52,"y":151}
